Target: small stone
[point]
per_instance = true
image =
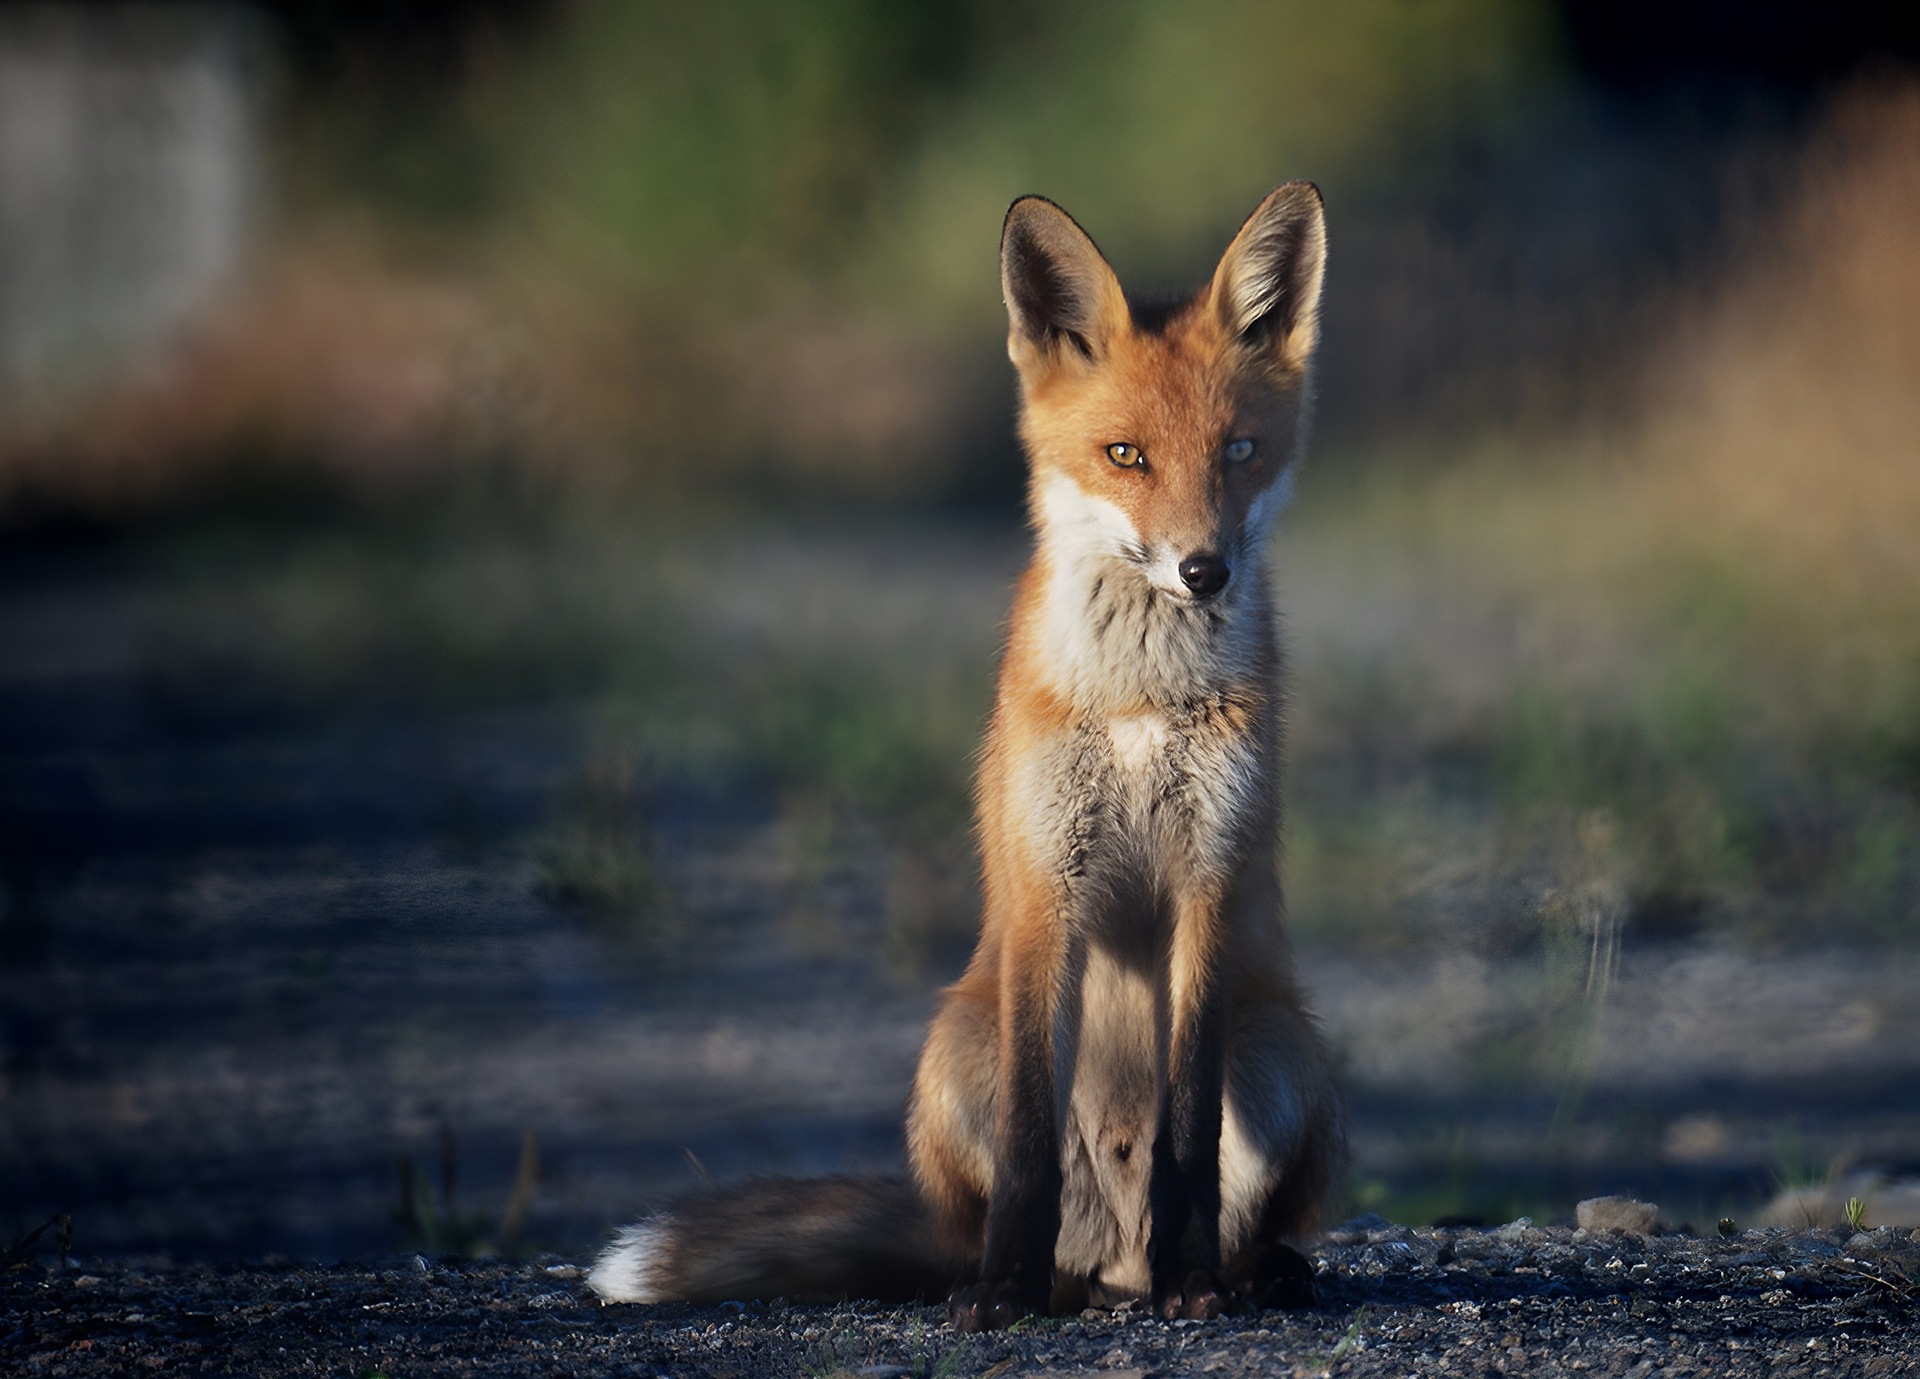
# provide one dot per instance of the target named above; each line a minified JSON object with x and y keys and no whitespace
{"x":1599,"y":1214}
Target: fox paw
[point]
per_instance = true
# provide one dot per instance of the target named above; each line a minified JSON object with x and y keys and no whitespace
{"x":1282,"y":1280}
{"x":1198,"y":1299}
{"x":988,"y":1307}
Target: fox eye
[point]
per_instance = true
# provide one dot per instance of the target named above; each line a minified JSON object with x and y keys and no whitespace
{"x":1126,"y":456}
{"x":1239,"y":452}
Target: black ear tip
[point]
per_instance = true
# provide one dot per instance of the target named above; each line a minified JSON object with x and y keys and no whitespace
{"x":1024,"y":215}
{"x":1297,"y":196}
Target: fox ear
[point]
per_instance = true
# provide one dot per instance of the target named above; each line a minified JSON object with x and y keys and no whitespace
{"x":1266,"y":290}
{"x":1062,"y":298}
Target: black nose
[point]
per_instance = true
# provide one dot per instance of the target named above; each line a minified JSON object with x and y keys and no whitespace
{"x":1205,"y":574}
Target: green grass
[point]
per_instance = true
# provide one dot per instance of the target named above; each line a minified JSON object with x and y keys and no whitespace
{"x":434,"y":1222}
{"x":773,"y":149}
{"x":863,"y":744}
{"x":598,"y":855}
{"x":1610,"y":771}
{"x":1562,"y":710}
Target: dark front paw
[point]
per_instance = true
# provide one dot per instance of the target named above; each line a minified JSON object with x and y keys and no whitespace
{"x":989,"y":1306}
{"x":1198,"y":1298}
{"x":1282,"y":1279}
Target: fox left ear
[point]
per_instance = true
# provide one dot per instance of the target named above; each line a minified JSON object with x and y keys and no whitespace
{"x":1063,"y":301}
{"x":1266,"y":291}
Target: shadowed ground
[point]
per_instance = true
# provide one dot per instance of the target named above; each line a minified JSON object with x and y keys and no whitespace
{"x":1393,"y":1302}
{"x":259,"y":944}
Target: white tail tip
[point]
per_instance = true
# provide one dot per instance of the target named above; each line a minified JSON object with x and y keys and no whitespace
{"x":633,"y":1267}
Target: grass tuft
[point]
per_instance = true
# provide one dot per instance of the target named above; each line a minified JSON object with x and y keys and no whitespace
{"x":441,"y":1227}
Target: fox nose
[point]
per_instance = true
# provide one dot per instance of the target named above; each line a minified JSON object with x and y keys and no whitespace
{"x":1205,"y":574}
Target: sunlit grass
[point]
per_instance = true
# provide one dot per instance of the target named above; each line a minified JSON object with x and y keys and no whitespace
{"x":1527,"y":687}
{"x":1701,"y":630}
{"x":1546,"y":689}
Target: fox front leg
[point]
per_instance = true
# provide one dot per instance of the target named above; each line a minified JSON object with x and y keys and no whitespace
{"x":1023,"y":1208}
{"x":1184,"y":1192}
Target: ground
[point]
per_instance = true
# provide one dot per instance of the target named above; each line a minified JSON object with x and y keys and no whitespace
{"x":1393,"y":1301}
{"x":267,"y":934}
{"x":269,"y":946}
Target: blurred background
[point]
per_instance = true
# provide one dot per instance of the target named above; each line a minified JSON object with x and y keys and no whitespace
{"x":506,"y":510}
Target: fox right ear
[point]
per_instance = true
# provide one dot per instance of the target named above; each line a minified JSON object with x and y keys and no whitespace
{"x":1062,"y":298}
{"x":1266,"y":290}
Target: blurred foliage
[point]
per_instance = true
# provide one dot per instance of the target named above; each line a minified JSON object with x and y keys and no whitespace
{"x":720,"y":149}
{"x":1549,"y":686}
{"x":863,"y":731}
{"x":1702,"y":627}
{"x":1461,"y":784}
{"x":437,"y":1225}
{"x":727,"y":139}
{"x":598,"y":856}
{"x":581,"y":322}
{"x":629,"y":246}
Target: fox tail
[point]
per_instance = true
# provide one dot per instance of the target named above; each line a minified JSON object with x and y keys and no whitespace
{"x":807,"y":1240}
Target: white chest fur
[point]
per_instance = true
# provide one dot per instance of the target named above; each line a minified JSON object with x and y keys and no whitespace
{"x":1137,"y":739}
{"x":1106,"y":635}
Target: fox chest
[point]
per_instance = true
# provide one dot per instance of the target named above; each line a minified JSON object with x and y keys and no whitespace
{"x":1149,"y":800}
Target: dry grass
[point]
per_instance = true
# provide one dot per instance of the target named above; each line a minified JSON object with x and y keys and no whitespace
{"x":1697,"y":638}
{"x":392,"y":372}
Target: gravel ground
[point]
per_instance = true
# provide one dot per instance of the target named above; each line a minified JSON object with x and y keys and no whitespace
{"x":1393,"y":1301}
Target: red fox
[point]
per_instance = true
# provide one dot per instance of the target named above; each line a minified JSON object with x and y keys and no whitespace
{"x":1123,"y":1095}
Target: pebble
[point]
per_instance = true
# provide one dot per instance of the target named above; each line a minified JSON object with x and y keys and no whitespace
{"x":1626,"y":1214}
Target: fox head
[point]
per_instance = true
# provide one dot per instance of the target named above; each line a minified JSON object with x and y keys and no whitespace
{"x":1162,"y":439}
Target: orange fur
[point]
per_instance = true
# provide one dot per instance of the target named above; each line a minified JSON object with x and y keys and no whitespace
{"x":1123,"y":1094}
{"x":1128,"y":808}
